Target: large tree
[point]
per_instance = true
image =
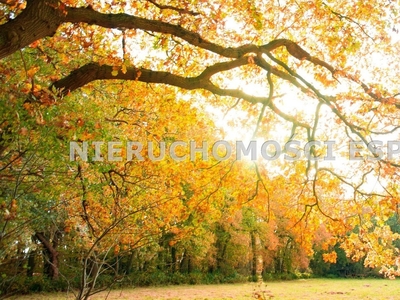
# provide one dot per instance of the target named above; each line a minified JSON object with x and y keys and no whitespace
{"x":309,"y":71}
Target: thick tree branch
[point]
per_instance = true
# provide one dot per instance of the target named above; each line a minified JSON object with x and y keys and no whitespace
{"x":38,"y":20}
{"x":90,"y":16}
{"x":41,"y":18}
{"x":223,"y":66}
{"x":93,"y":71}
{"x":262,"y":63}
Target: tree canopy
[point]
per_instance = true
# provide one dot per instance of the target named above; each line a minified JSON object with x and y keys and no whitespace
{"x":318,"y":78}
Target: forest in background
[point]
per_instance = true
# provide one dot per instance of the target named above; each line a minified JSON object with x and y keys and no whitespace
{"x":320,"y":73}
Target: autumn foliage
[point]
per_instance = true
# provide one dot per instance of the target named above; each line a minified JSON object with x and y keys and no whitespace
{"x":323,"y":74}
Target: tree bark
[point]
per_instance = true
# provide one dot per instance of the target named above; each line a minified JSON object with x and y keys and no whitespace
{"x":53,"y":254}
{"x":39,"y":19}
{"x":254,"y":253}
{"x":31,"y":263}
{"x":128,"y":266}
{"x":173,"y":259}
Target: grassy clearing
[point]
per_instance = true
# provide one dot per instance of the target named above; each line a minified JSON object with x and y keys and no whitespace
{"x":324,"y":289}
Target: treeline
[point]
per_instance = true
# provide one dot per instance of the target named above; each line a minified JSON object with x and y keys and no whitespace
{"x":221,"y":252}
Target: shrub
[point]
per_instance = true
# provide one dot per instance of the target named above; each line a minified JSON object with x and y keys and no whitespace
{"x":197,"y":278}
{"x":178,"y":278}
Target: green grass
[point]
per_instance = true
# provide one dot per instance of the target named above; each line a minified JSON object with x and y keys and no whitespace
{"x":324,"y":289}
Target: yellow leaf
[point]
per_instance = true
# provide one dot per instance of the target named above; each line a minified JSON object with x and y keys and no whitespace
{"x":31,"y":72}
{"x":330,"y":257}
{"x":123,"y":69}
{"x":115,"y":71}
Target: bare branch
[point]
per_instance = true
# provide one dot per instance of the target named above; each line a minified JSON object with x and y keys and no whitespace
{"x":340,"y":16}
{"x":179,"y":10}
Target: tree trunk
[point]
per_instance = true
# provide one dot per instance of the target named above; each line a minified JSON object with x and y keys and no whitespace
{"x":221,"y":255}
{"x":173,"y":259}
{"x":189,"y":264}
{"x":185,"y":264}
{"x":39,"y":19}
{"x":52,"y":252}
{"x":31,"y":263}
{"x":117,"y":264}
{"x":128,"y":266}
{"x":254,"y":253}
